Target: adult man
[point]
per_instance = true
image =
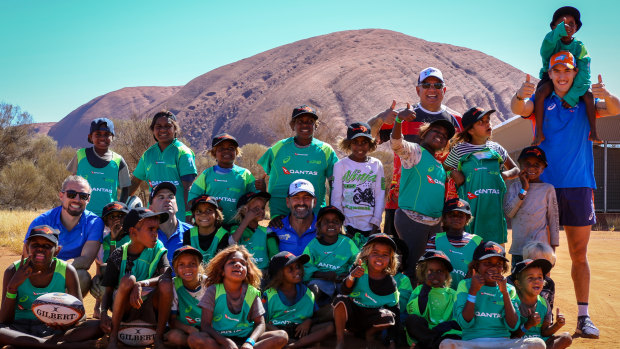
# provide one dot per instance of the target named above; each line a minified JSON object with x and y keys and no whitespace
{"x":299,"y":227}
{"x":81,"y":231}
{"x":170,"y":233}
{"x":571,"y":166}
{"x":431,"y":90}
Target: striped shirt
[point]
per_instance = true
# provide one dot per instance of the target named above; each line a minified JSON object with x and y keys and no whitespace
{"x":464,"y":148}
{"x":456,"y":242}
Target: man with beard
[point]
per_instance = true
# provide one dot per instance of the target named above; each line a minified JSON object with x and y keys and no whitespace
{"x":170,"y":233}
{"x":81,"y":231}
{"x":299,"y":227}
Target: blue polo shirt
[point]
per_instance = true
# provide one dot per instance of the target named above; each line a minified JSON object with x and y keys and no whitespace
{"x":176,"y":239}
{"x":290,"y":241}
{"x":89,"y":228}
{"x":569,"y":152}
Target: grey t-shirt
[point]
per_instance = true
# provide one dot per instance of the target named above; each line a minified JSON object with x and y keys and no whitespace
{"x":234,"y":305}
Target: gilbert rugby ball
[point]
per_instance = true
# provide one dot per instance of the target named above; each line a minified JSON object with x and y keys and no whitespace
{"x":137,"y":333}
{"x":58,"y":309}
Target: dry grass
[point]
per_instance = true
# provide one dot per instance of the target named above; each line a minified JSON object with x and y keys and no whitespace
{"x":13,"y":227}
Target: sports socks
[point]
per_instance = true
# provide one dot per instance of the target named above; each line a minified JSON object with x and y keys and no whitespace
{"x":582,"y":309}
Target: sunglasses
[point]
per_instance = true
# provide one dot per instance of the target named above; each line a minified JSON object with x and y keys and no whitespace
{"x":436,"y":85}
{"x":72,"y":193}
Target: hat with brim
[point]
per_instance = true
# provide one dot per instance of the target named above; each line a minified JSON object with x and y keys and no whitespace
{"x":249,"y":196}
{"x":203,"y":199}
{"x":330,"y":209}
{"x":301,"y":186}
{"x":428,"y":72}
{"x":566,"y":10}
{"x":488,"y":249}
{"x":187,"y":249}
{"x":437,"y":255}
{"x":304,"y":110}
{"x":44,"y":231}
{"x":445,"y":124}
{"x":564,"y":58}
{"x":162,"y":185}
{"x":533,"y":152}
{"x":543,"y":264}
{"x":457,"y":204}
{"x":223,"y":137}
{"x":381,"y":238}
{"x":137,"y":214}
{"x":101,"y":124}
{"x":358,"y":129}
{"x":284,"y":258}
{"x":473,"y":115}
{"x":115,"y":206}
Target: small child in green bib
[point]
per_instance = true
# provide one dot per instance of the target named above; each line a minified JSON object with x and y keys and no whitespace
{"x":207,"y":235}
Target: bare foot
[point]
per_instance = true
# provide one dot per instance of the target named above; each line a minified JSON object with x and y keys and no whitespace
{"x":538,"y":138}
{"x":113,"y":343}
{"x":340,"y":345}
{"x":594,"y":137}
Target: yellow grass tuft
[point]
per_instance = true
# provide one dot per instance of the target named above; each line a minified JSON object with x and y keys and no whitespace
{"x":14,"y":226}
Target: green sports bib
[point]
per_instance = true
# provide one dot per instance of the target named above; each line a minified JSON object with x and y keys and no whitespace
{"x":363,"y":296}
{"x":460,"y":257}
{"x":280,"y":314}
{"x":423,"y":186}
{"x":233,"y":325}
{"x":212,"y":250}
{"x":143,"y":266}
{"x":110,"y":245}
{"x":26,"y":293}
{"x":337,"y":257}
{"x":256,"y":243}
{"x":189,"y":311}
{"x":103,"y":181}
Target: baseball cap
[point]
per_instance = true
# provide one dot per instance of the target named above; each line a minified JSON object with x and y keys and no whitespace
{"x":457,"y":204}
{"x":137,"y":214}
{"x":381,"y":237}
{"x":358,"y":129}
{"x":300,"y":185}
{"x":430,"y":71}
{"x":115,"y":206}
{"x":247,"y":197}
{"x":223,"y":137}
{"x":439,"y":255}
{"x":304,"y":110}
{"x":203,"y":199}
{"x":474,"y":114}
{"x":188,"y":249}
{"x":562,"y":57}
{"x":45,"y":231}
{"x":533,"y":151}
{"x":566,"y":10}
{"x":160,"y":186}
{"x":284,"y":258}
{"x":101,"y":124}
{"x":330,"y":209}
{"x":488,"y":249}
{"x":543,"y":264}
{"x":445,"y":124}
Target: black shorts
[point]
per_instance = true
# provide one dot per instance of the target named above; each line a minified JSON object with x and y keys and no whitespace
{"x":33,"y":327}
{"x":360,"y":319}
{"x":576,"y":206}
{"x":146,"y":312}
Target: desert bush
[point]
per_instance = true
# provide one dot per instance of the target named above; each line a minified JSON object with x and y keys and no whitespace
{"x":14,"y":132}
{"x":249,"y":158}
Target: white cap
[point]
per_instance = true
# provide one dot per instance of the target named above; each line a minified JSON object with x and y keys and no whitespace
{"x":300,"y":185}
{"x":430,"y":71}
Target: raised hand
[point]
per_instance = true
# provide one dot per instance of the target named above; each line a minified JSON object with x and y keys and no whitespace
{"x":358,"y":272}
{"x":477,"y":281}
{"x":559,"y":318}
{"x":389,"y":115}
{"x":532,"y":320}
{"x":525,"y":182}
{"x":527,"y":88}
{"x":407,"y":114}
{"x":599,"y":90}
{"x":24,"y":272}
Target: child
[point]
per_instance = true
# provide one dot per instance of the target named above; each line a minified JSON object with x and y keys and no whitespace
{"x":485,"y":304}
{"x":422,"y":186}
{"x":298,"y":157}
{"x":207,"y":236}
{"x":455,"y":242}
{"x":359,"y":184}
{"x":232,"y":312}
{"x":541,"y":250}
{"x":565,"y":23}
{"x":532,"y":205}
{"x":289,"y":304}
{"x":40,"y":273}
{"x":479,"y":177}
{"x":225,"y":181}
{"x":112,"y":215}
{"x":137,"y":277}
{"x":430,"y":305}
{"x":105,"y":170}
{"x":331,"y":255}
{"x":250,"y":211}
{"x":188,"y":290}
{"x":536,"y":318}
{"x":368,"y":300}
{"x":169,"y":160}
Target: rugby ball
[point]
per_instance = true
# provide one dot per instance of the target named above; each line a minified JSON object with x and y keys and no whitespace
{"x":137,"y":333}
{"x":58,"y":309}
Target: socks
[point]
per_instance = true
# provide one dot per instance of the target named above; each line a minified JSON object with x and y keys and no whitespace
{"x":582,"y":309}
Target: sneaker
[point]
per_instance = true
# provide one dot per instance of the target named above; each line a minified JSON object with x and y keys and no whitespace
{"x":585,"y":327}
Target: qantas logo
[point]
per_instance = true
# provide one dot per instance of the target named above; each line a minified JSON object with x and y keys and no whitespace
{"x":301,"y":172}
{"x":471,"y":196}
{"x":434,"y":181}
{"x":285,"y":170}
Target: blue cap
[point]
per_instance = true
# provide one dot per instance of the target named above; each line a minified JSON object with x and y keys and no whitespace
{"x":101,"y":124}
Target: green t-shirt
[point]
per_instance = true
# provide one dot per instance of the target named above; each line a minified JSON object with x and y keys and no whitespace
{"x":438,"y":308}
{"x":26,"y":293}
{"x":285,"y":162}
{"x":103,"y":181}
{"x":403,"y":283}
{"x":422,"y":187}
{"x":156,"y":166}
{"x":542,"y":309}
{"x":226,"y":187}
{"x":337,"y":257}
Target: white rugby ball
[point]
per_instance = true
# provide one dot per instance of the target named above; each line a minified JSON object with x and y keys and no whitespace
{"x":137,"y":333}
{"x":58,"y":309}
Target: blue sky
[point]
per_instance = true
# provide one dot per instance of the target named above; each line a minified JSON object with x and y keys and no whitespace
{"x":58,"y":55}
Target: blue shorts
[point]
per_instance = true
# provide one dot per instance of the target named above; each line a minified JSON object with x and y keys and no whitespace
{"x":576,"y":206}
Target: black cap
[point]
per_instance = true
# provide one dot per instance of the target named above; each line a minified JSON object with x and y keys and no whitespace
{"x":488,"y":249}
{"x":304,"y":110}
{"x":45,"y":231}
{"x":457,"y":204}
{"x":543,"y":264}
{"x":137,"y":214}
{"x":283,"y":259}
{"x":330,"y":209}
{"x":160,"y":186}
{"x":474,"y":114}
{"x":358,"y":129}
{"x":203,"y":199}
{"x":381,"y":237}
{"x":223,"y":137}
{"x":445,"y":124}
{"x":439,"y":255}
{"x":186,"y":249}
{"x":101,"y":124}
{"x":566,"y":10}
{"x":533,"y":151}
{"x":115,"y":206}
{"x":247,"y":197}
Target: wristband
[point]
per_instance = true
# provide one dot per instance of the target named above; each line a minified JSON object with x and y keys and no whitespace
{"x":251,"y":341}
{"x":523,"y":329}
{"x":519,"y":98}
{"x":471,"y":298}
{"x":11,"y":295}
{"x":398,"y":120}
{"x":523,"y":192}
